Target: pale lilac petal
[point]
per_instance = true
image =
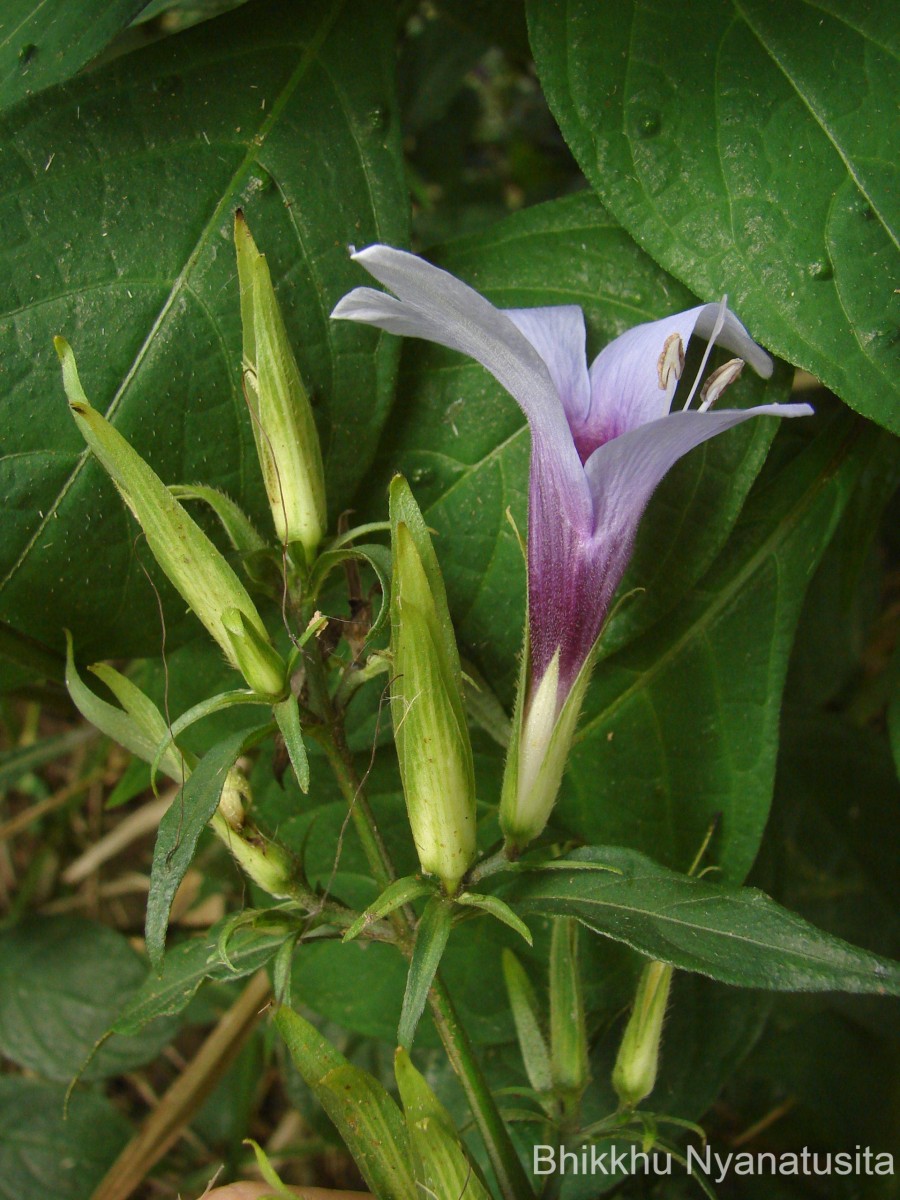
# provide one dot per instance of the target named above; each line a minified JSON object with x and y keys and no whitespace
{"x":623,"y":474}
{"x":443,"y":309}
{"x":434,"y":305}
{"x":626,"y":388}
{"x":370,"y":307}
{"x":558,"y":335}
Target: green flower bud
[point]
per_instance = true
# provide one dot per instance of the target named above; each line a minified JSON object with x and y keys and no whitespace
{"x":440,"y":1161}
{"x":286,"y":439}
{"x":266,"y":863}
{"x":260,"y":664}
{"x":426,"y":701}
{"x":187,"y":556}
{"x":235,"y":799}
{"x":634,"y":1075}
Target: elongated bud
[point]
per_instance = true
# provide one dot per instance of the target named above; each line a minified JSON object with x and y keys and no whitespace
{"x":426,"y":701}
{"x":542,"y":734}
{"x":568,"y":1033}
{"x":441,"y":1166}
{"x":634,"y":1075}
{"x":286,"y":439}
{"x":187,"y":556}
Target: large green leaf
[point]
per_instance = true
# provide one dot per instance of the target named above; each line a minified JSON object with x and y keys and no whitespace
{"x":124,"y":245}
{"x":62,"y":981}
{"x":681,"y":727}
{"x":462,"y":443}
{"x":43,"y":42}
{"x":735,"y":935}
{"x":46,"y":1152}
{"x":752,"y":149}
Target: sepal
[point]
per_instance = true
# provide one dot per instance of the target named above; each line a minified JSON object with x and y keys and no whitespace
{"x":542,"y":734}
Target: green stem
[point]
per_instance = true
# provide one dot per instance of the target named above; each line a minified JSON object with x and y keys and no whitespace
{"x":500,"y":861}
{"x":511,"y":1177}
{"x":332,"y":741}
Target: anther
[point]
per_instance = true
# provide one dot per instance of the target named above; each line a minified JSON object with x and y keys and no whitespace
{"x":720,"y":379}
{"x":671,"y":362}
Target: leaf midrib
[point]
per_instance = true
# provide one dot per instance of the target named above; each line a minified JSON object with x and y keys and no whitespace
{"x":254,"y":146}
{"x":821,"y":121}
{"x":665,"y":917}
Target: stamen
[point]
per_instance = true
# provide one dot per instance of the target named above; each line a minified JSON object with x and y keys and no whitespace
{"x":720,"y":379}
{"x":671,"y":362}
{"x":716,"y":330}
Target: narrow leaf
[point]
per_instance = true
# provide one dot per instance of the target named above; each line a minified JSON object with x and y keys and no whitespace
{"x":496,"y":908}
{"x":186,"y":965}
{"x":527,"y":1018}
{"x":238,"y":527}
{"x":179,"y":832}
{"x":287,"y":716}
{"x":378,"y":558}
{"x":110,"y":720}
{"x":205,"y":708}
{"x":733,"y":934}
{"x":268,"y":1172}
{"x":150,"y":720}
{"x":400,"y":892}
{"x":431,"y":939}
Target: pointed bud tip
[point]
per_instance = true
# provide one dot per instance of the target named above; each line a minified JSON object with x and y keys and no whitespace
{"x":243,"y":236}
{"x":62,"y":347}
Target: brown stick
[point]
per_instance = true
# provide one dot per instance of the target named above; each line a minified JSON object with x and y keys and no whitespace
{"x":165,"y":1124}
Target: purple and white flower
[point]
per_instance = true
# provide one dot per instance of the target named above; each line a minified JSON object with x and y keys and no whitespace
{"x":602,"y":436}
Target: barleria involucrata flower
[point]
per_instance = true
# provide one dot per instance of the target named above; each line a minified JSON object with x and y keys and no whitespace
{"x":602,"y":439}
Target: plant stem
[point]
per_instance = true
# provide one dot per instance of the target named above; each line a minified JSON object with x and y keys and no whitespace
{"x":335,"y":746}
{"x":490,"y":866}
{"x":511,"y":1177}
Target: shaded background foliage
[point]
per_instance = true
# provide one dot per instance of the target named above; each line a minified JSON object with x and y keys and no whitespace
{"x":756,"y":161}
